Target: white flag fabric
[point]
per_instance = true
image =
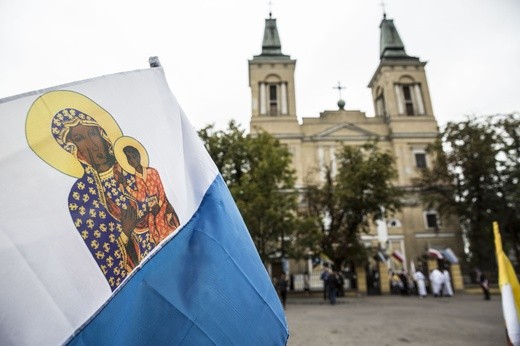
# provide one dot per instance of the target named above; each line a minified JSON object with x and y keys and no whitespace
{"x":117,"y":228}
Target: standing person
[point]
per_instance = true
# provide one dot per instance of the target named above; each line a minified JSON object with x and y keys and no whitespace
{"x":436,"y":279}
{"x":306,"y":284}
{"x":332,"y":283}
{"x":325,"y":277}
{"x":282,"y":285}
{"x":396,"y":283}
{"x":484,"y":284}
{"x":447,"y":290}
{"x":405,"y":291}
{"x":421,"y":286}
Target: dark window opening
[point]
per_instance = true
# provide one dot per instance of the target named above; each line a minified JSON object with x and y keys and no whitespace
{"x":420,"y":160}
{"x":273,"y":100}
{"x":408,"y":101}
{"x":431,"y":220}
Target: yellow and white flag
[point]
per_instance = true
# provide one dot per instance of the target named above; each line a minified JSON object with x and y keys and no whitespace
{"x":509,"y":289}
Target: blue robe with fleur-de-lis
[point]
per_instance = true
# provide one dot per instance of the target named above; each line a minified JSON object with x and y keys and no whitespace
{"x":101,"y":229}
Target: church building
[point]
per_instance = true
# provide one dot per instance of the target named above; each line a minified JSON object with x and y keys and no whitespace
{"x":403,"y":123}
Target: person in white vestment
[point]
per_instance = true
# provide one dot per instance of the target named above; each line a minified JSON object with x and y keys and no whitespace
{"x":447,"y":290}
{"x":419,"y":278}
{"x":436,"y":280}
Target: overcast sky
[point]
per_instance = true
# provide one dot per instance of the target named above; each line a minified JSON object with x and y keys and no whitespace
{"x":472,"y":48}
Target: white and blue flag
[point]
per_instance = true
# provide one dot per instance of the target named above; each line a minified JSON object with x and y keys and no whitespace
{"x":116,"y":227}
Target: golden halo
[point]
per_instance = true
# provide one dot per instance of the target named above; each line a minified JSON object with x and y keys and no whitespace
{"x":123,"y":142}
{"x":38,"y":127}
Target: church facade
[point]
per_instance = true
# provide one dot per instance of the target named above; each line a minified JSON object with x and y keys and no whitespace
{"x":404,"y":125}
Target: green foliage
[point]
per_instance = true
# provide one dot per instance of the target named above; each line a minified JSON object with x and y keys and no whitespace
{"x":361,"y":191}
{"x":228,"y":149}
{"x":475,"y":176}
{"x":258,"y":173}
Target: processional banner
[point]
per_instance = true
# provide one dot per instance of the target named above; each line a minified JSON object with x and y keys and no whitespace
{"x":117,"y":228}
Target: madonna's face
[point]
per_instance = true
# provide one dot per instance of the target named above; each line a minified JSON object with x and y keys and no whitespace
{"x":92,"y":147}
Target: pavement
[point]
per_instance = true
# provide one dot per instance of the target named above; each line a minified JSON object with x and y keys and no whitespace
{"x":464,"y":319}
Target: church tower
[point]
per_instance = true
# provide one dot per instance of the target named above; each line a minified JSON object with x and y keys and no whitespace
{"x":271,"y":79}
{"x":402,"y":100}
{"x":399,"y":86}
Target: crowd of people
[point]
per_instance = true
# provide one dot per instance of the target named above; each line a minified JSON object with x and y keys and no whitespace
{"x":439,"y":282}
{"x":333,"y":284}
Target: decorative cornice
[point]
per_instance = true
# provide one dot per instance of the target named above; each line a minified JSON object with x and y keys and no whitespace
{"x":414,"y":135}
{"x":375,"y":237}
{"x":435,"y":235}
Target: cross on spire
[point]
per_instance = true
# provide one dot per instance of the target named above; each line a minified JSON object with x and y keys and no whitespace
{"x":383,"y":5}
{"x":270,"y":9}
{"x":339,"y":87}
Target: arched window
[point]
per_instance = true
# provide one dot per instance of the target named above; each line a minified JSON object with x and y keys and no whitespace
{"x":409,"y":98}
{"x":273,"y":96}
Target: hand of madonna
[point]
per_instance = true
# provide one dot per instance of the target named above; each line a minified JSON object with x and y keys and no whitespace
{"x":128,"y":219}
{"x":120,"y":178}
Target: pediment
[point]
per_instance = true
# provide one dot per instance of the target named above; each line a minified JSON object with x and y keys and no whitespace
{"x":344,"y":130}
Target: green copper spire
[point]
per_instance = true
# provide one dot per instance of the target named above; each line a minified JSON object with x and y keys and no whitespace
{"x":271,"y":46}
{"x":391,"y":45}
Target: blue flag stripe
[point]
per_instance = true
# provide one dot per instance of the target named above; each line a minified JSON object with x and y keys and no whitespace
{"x":207,"y":284}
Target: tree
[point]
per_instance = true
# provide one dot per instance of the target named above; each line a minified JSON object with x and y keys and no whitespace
{"x":258,"y":173}
{"x":475,"y":176}
{"x":228,"y":149}
{"x":345,"y":203}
